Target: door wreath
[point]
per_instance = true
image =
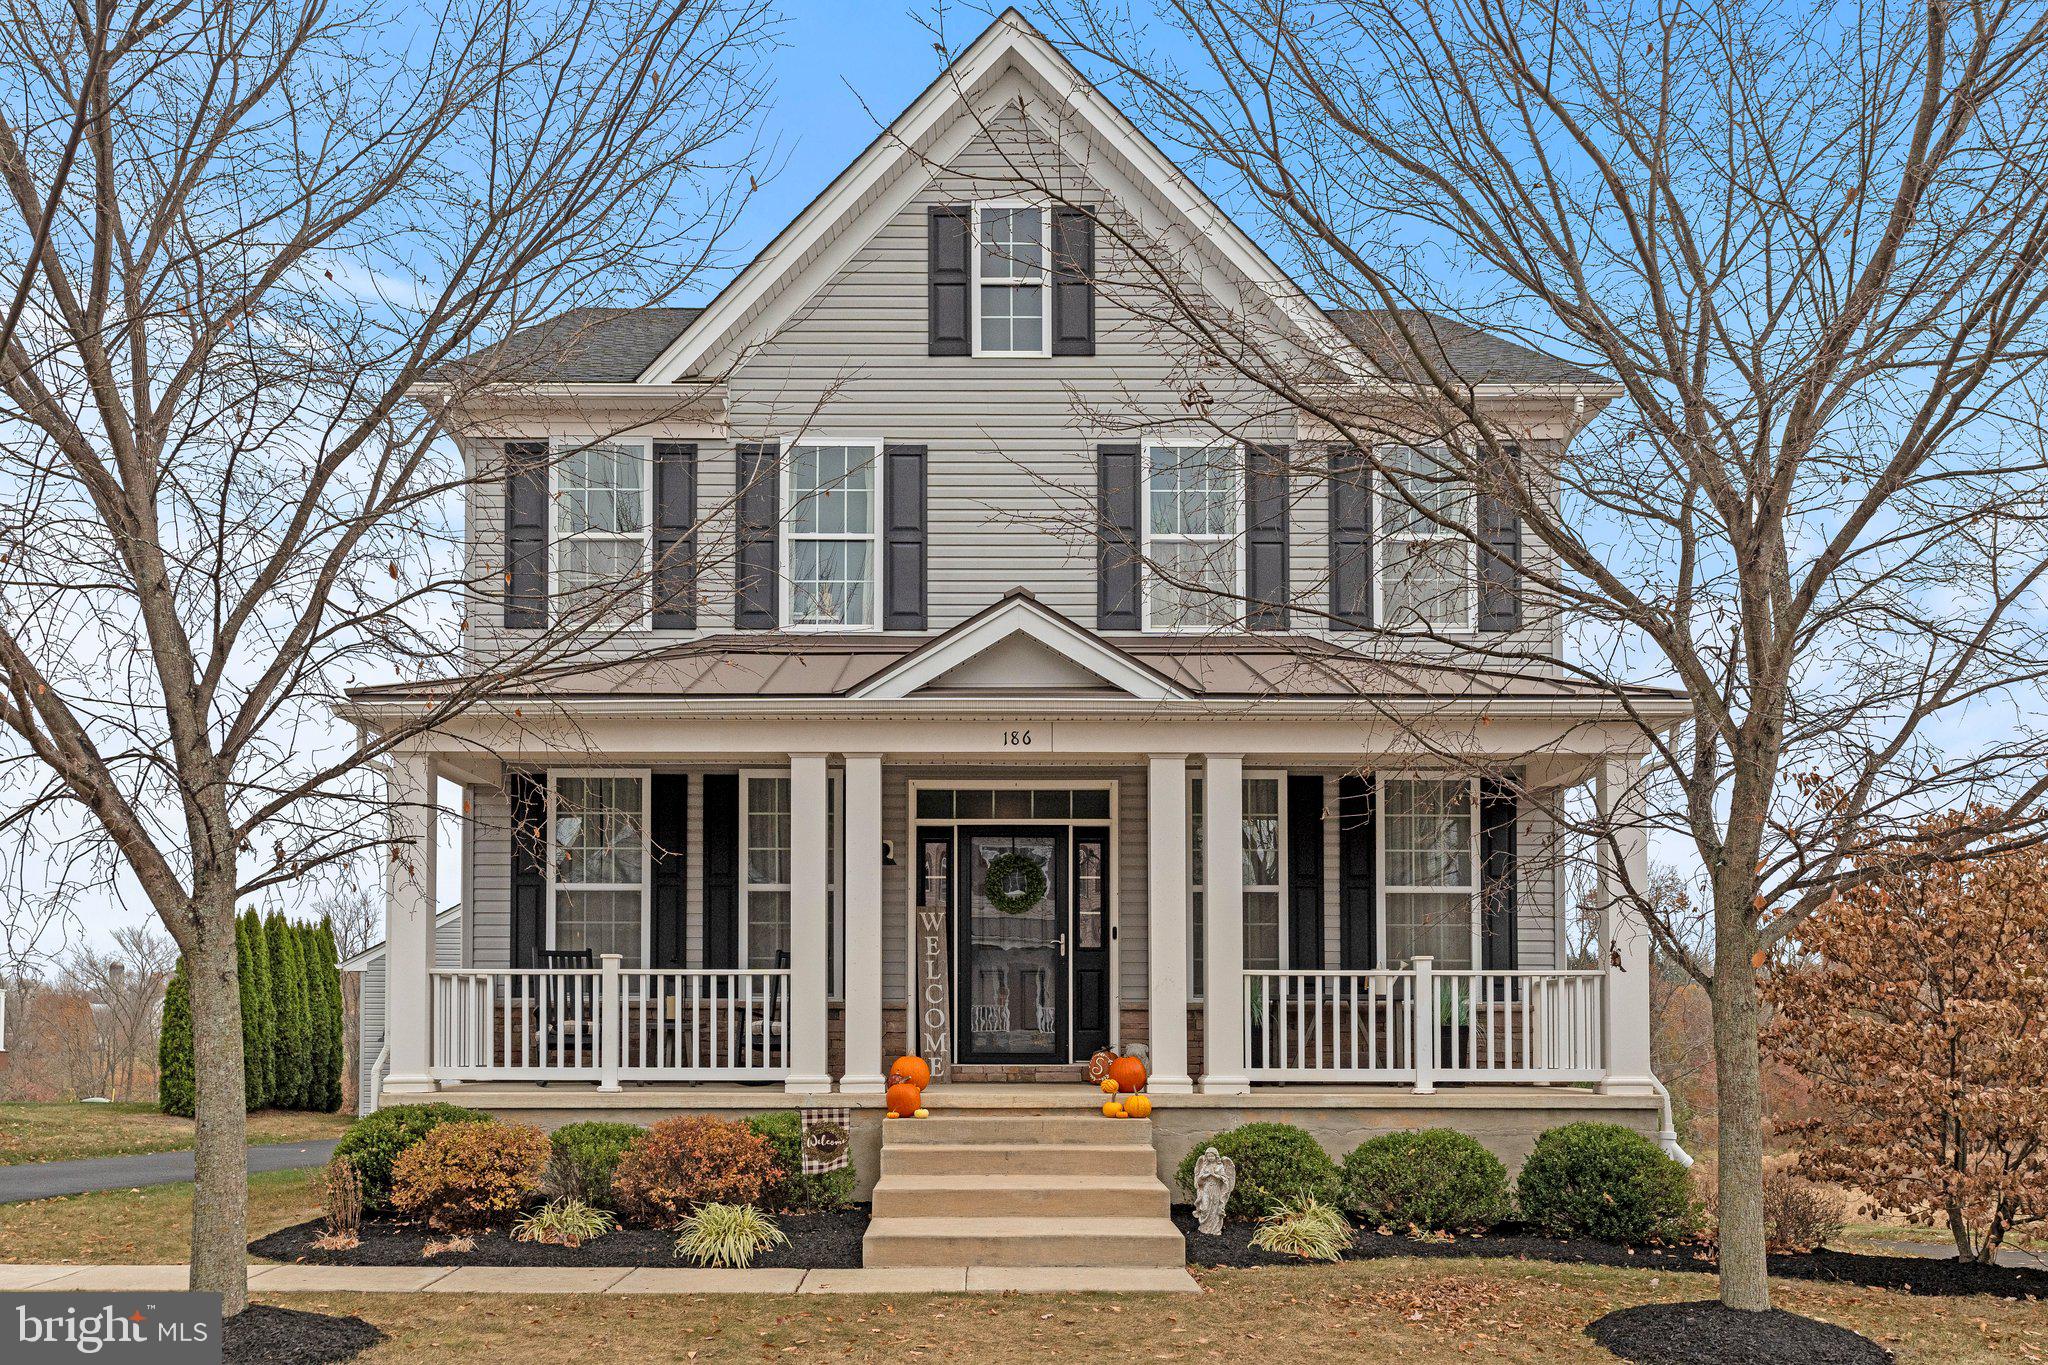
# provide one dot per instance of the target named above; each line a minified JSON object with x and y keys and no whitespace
{"x":1028,"y":878}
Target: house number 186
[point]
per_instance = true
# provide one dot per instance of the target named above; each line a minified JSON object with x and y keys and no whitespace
{"x":1016,"y":739}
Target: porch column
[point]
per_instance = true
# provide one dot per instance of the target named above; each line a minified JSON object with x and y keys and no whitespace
{"x":1166,"y":880}
{"x":1625,"y":938}
{"x":410,"y":881}
{"x":863,"y":965}
{"x":1223,"y":925}
{"x":810,"y":926}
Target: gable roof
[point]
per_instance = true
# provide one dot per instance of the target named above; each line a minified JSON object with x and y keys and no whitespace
{"x":584,"y":346}
{"x":1016,"y":614}
{"x":442,"y":919}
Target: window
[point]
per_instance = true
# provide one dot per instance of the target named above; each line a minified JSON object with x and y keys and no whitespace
{"x":1191,"y":542}
{"x":597,"y":861}
{"x":1010,"y":290}
{"x":831,"y":493}
{"x":1265,"y":878}
{"x":1429,"y":860}
{"x":600,"y":544}
{"x":764,"y":876}
{"x":1428,"y":572}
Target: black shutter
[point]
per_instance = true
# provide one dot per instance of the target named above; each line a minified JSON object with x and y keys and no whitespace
{"x":1357,"y":913}
{"x":668,"y":802}
{"x":528,"y":793}
{"x":526,"y":535}
{"x":675,"y":535}
{"x":949,"y":277}
{"x":1304,"y":872}
{"x":1073,"y":282}
{"x":721,"y":871}
{"x":757,"y":571}
{"x":1265,"y":521}
{"x":1500,"y":551}
{"x":1118,"y":545}
{"x":1350,"y":539}
{"x":903,"y":537}
{"x":1497,"y":856}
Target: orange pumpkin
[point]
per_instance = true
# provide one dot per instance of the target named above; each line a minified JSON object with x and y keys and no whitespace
{"x":904,"y":1099}
{"x":916,"y":1070}
{"x":1139,"y":1106}
{"x":1129,"y":1074}
{"x":1108,"y":1086}
{"x":1112,"y":1110}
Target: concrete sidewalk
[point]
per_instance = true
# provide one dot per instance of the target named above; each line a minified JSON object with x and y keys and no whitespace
{"x":427,"y":1279}
{"x":48,"y":1179}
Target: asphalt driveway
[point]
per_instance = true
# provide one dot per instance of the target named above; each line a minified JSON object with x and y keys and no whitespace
{"x":45,"y":1180}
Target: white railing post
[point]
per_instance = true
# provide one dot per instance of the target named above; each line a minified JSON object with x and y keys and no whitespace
{"x":1425,"y":1004}
{"x":609,"y":1017}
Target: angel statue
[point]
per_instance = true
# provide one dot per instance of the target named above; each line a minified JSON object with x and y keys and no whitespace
{"x":1215,"y":1177}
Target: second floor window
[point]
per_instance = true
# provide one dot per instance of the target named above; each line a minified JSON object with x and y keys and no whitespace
{"x":832,"y":496}
{"x":1191,"y":540}
{"x":601,"y":528}
{"x":1010,"y":288}
{"x":1428,"y":572}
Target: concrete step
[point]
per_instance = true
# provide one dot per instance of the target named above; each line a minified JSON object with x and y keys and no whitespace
{"x":988,"y":1158}
{"x":1061,"y":1195}
{"x":1007,"y":1129}
{"x":1023,"y":1242}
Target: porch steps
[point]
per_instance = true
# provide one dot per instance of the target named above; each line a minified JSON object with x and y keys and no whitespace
{"x":1050,"y":1187}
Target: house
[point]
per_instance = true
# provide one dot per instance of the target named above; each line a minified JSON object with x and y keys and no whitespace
{"x":369,"y":993}
{"x":906,"y":750}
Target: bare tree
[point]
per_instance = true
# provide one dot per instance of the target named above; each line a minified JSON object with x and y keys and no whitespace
{"x":1805,"y":255}
{"x":124,"y":988}
{"x":353,"y":908}
{"x":239,"y":239}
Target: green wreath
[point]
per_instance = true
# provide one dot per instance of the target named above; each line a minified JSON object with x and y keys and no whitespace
{"x":1005,"y":868}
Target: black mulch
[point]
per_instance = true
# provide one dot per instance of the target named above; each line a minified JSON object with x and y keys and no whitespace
{"x":1907,"y":1274}
{"x":826,"y":1240}
{"x":264,"y":1335}
{"x":1705,"y":1333}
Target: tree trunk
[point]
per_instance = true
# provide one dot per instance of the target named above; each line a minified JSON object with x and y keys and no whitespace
{"x":1745,"y":1282}
{"x":220,"y":1200}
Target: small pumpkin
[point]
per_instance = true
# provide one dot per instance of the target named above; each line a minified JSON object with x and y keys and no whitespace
{"x":922,"y":1114}
{"x":915,"y":1070}
{"x":1109,"y":1087}
{"x":1112,"y":1110}
{"x":1138,"y":1106}
{"x":1128,"y":1073}
{"x":903,"y":1099}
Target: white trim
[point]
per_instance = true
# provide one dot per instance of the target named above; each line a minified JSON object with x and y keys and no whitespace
{"x":560,"y":448}
{"x":786,"y":537}
{"x":1379,"y":853}
{"x":1017,"y":616}
{"x":1430,"y":535}
{"x":376,"y":950}
{"x":1235,"y":536}
{"x":645,"y":776}
{"x":1197,"y":876}
{"x":1043,"y":284}
{"x":835,"y":873}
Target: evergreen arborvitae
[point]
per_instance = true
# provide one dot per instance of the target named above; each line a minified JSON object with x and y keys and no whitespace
{"x":259,"y":1012}
{"x":329,"y":1027}
{"x":288,"y":989}
{"x":175,"y":1091}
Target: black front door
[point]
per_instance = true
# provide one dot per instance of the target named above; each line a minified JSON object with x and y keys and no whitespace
{"x":1011,"y":928}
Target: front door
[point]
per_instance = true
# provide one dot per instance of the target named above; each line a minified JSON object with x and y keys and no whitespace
{"x":1012,"y":930}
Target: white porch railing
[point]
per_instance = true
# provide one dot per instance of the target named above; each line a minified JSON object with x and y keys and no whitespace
{"x":1423,"y":1026}
{"x":610,"y":1025}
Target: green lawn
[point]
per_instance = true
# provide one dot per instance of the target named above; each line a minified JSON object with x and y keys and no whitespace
{"x":66,"y":1132}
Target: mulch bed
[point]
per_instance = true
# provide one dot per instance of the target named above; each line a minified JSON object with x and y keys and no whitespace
{"x":265,"y":1335}
{"x":1705,"y":1333}
{"x":1907,"y":1274}
{"x":826,"y":1240}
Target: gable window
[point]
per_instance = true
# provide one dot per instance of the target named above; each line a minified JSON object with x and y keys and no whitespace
{"x":1428,"y":568}
{"x":1192,"y":550}
{"x":597,"y":864}
{"x":1265,"y":878}
{"x":1010,"y":287}
{"x":601,"y":529}
{"x":1429,"y":851}
{"x":832,"y":491}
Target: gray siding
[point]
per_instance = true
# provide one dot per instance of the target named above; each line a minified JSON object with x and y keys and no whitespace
{"x":373,"y":992}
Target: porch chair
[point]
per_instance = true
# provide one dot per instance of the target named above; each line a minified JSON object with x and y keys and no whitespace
{"x":567,"y":1032}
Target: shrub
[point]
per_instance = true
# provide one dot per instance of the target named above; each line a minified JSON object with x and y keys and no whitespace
{"x":784,"y":1131}
{"x":1799,"y":1216}
{"x":470,"y":1175}
{"x":1276,"y":1163}
{"x":175,"y":1089}
{"x":1307,"y":1228}
{"x":291,"y":1045}
{"x":564,"y":1223}
{"x":373,"y":1142}
{"x":586,"y":1157}
{"x":1437,"y":1180}
{"x":1602,"y":1180}
{"x":727,"y":1234}
{"x":343,"y":1192}
{"x":683,"y":1162}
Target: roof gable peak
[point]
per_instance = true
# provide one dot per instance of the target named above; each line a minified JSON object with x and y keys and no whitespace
{"x":1019,"y":645}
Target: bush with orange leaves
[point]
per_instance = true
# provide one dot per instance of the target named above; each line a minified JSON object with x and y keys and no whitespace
{"x":464,"y":1176}
{"x":1919,"y":1011}
{"x":680,"y":1163}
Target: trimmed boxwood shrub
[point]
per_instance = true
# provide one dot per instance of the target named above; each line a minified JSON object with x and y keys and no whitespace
{"x":1277,"y":1164}
{"x":1439,"y":1180}
{"x":784,"y":1131}
{"x":464,"y":1176}
{"x":373,"y":1142}
{"x":1606,"y":1181}
{"x":586,"y":1157}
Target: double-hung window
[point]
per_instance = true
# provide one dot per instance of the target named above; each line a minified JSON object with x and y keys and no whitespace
{"x":1428,"y":565}
{"x":601,"y":528}
{"x":597,"y":861}
{"x":1429,"y":856}
{"x":1192,"y":550}
{"x":833,"y":493}
{"x":1010,"y":287}
{"x":1265,"y":878}
{"x":765,"y":886}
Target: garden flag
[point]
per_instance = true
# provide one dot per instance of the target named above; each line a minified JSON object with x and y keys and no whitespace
{"x":828,"y":1144}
